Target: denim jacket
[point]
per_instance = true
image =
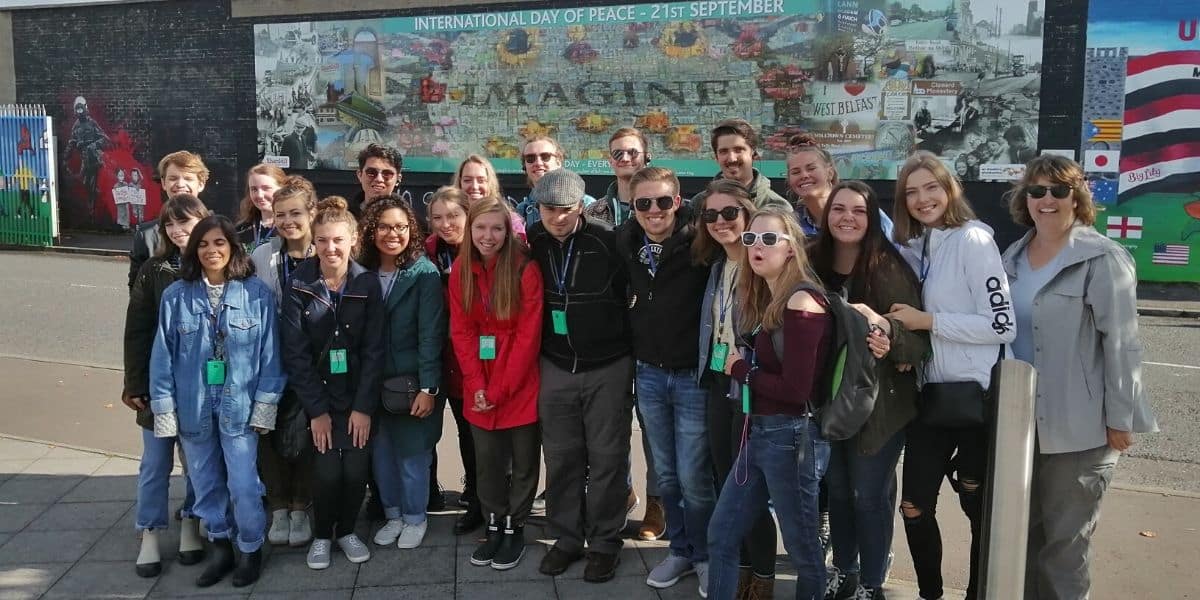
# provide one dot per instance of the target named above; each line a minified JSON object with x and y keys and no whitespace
{"x":254,"y":377}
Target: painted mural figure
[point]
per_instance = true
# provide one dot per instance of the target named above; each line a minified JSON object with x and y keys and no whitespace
{"x":89,"y":140}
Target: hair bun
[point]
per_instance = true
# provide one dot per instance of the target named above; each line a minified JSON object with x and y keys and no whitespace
{"x":295,"y":181}
{"x":333,"y":203}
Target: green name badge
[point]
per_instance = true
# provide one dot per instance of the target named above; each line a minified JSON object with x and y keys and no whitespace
{"x":214,"y":372}
{"x":337,"y":361}
{"x":745,"y":399}
{"x":559,"y":319}
{"x":487,"y":347}
{"x":717,"y":361}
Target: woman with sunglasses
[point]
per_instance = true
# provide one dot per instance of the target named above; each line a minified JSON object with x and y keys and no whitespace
{"x":287,"y":471}
{"x":448,"y":208}
{"x":969,"y":318}
{"x":854,"y":258}
{"x":1073,"y":292}
{"x":541,"y":155}
{"x":725,"y":210}
{"x":215,"y":381}
{"x":415,"y":333}
{"x":782,"y":455}
{"x":333,"y":347}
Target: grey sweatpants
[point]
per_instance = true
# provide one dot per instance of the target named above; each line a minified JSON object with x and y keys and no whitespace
{"x":586,"y":427}
{"x":1064,"y":508}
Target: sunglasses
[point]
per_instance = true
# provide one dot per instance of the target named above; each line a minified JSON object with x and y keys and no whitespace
{"x":663,"y":202}
{"x":729,"y":213}
{"x":544,"y":156}
{"x":389,"y":229}
{"x":372,"y":173}
{"x":621,"y":153}
{"x":1060,"y":191}
{"x":769,"y":238}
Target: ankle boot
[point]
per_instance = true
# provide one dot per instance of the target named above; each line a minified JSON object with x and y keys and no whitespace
{"x":512,"y":546}
{"x":191,"y":544}
{"x":469,"y":521}
{"x":220,"y":563}
{"x":149,"y":563}
{"x":249,"y":565}
{"x":485,"y":552}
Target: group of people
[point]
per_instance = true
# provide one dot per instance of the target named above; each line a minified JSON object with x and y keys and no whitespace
{"x":307,"y":354}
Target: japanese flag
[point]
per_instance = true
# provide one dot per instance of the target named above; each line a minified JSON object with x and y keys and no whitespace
{"x":1101,"y":161}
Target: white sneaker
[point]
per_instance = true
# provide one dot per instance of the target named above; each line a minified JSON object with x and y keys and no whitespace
{"x":702,"y":575}
{"x":301,"y":530}
{"x":280,"y":526}
{"x":412,"y":535}
{"x":668,"y":572}
{"x":318,"y":554}
{"x":354,"y":549}
{"x":386,"y":536}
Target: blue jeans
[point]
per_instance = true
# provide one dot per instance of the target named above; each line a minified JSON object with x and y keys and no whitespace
{"x":783,"y":461}
{"x":154,"y":478}
{"x":224,"y":470}
{"x":403,"y":482}
{"x":862,"y":492}
{"x":673,"y":408}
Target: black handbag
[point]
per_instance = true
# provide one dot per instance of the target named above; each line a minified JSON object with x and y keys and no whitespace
{"x":959,"y":404}
{"x":398,"y":394}
{"x":291,"y":438}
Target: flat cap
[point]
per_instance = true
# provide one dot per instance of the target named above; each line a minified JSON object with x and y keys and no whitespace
{"x":559,"y":187}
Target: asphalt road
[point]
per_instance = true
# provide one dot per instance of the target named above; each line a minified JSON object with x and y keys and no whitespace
{"x":67,"y":314}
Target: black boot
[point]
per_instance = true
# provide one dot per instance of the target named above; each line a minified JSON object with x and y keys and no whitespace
{"x":484,"y":553}
{"x":249,"y":565}
{"x":512,"y":546}
{"x":469,"y":521}
{"x":220,"y":563}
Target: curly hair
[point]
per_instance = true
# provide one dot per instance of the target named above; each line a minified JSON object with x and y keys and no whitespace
{"x":386,"y":153}
{"x":370,"y":257}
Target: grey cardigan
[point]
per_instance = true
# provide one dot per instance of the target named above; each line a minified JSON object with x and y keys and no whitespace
{"x":1086,"y":348}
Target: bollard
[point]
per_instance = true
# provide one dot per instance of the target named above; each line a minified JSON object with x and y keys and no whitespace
{"x":1010,"y":468}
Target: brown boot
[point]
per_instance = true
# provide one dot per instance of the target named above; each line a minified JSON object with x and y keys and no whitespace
{"x":654,"y":523}
{"x":745,"y":574}
{"x":760,"y":588}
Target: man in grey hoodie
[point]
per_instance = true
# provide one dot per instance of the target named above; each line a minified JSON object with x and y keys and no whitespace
{"x":735,"y":147}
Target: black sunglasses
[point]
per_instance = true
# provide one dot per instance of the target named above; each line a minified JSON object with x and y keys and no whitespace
{"x":545,"y":156}
{"x":1060,"y":191}
{"x":663,"y":202}
{"x":729,"y":213}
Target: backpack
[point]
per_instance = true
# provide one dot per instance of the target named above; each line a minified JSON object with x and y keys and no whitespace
{"x":848,"y":386}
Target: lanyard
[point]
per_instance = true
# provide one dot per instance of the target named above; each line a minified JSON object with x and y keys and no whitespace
{"x":925,"y":258}
{"x":259,"y":236}
{"x":721,"y":299}
{"x":560,"y":278}
{"x":650,"y":255}
{"x":285,"y":262}
{"x":616,"y":208}
{"x":446,"y":258}
{"x":214,"y":320}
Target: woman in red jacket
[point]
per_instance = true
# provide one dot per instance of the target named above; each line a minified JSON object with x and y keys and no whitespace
{"x":496,"y":328}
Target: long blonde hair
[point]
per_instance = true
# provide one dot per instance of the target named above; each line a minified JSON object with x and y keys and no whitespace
{"x":510,"y":261}
{"x":958,"y":210}
{"x":493,"y":180}
{"x":759,"y":306}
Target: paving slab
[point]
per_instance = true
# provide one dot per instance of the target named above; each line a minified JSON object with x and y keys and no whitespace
{"x":111,"y":580}
{"x":289,"y":573}
{"x":436,"y":591}
{"x":48,"y":546}
{"x":15,"y":516}
{"x":101,"y":488}
{"x":80,"y":515}
{"x":625,"y":588}
{"x":507,"y":590}
{"x":12,"y":449}
{"x":424,"y":565}
{"x":37,"y":488}
{"x":27,"y":581}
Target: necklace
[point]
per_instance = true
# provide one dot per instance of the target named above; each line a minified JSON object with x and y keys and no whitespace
{"x":334,"y":284}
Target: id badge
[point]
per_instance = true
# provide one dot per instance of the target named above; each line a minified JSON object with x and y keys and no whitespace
{"x":337,"y":361}
{"x":559,"y":319}
{"x":487,"y":347}
{"x":214,"y":372}
{"x":745,"y":399}
{"x":719,"y":352}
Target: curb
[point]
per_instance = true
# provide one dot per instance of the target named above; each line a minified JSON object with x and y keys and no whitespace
{"x":19,"y":438}
{"x":100,"y":252}
{"x":1155,"y":311}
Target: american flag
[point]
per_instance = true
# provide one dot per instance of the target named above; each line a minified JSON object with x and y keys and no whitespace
{"x":1170,"y":254}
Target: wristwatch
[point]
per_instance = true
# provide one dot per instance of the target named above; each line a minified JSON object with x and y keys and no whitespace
{"x":431,"y":391}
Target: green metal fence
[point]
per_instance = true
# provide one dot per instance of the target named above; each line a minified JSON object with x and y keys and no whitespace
{"x":28,"y":202}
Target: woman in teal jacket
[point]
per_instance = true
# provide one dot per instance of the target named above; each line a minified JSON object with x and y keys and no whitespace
{"x":415,"y":332}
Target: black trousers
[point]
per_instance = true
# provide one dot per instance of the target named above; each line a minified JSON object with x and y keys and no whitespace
{"x":725,"y":424}
{"x":495,"y":451}
{"x":339,"y":484}
{"x":466,"y":449}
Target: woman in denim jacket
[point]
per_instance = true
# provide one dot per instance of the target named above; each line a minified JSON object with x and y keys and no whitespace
{"x":215,"y":380}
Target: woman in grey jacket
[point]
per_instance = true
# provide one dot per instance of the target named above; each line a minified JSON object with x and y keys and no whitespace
{"x":1074,"y":295}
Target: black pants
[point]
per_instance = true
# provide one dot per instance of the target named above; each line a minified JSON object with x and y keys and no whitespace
{"x":725,"y":422}
{"x":495,"y":451}
{"x":929,"y":455}
{"x":339,"y":484}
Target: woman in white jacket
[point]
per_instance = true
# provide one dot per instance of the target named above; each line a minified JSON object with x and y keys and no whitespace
{"x":969,"y":317}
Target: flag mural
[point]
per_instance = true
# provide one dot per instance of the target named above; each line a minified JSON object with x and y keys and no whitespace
{"x":1140,"y":132}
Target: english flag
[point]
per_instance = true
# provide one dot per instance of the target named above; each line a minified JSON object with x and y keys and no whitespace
{"x":1101,"y":161}
{"x":1125,"y":228}
{"x":1160,"y":147}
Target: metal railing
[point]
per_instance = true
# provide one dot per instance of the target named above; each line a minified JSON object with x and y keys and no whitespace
{"x":28,"y":181}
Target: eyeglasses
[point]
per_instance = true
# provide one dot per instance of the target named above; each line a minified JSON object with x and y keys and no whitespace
{"x":1060,"y":191}
{"x":769,"y":238}
{"x":544,"y":156}
{"x":386,"y":229}
{"x":663,"y":202}
{"x":621,"y":153}
{"x":729,"y":213}
{"x":372,"y":173}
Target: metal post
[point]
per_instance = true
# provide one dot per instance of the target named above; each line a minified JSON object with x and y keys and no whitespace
{"x":1010,"y":467}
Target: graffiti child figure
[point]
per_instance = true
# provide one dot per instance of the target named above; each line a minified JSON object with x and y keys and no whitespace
{"x":90,"y":140}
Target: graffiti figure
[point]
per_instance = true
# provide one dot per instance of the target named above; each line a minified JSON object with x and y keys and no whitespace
{"x":89,"y":140}
{"x":25,"y":141}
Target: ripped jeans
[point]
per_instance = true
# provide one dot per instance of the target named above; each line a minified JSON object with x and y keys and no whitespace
{"x":931,"y":453}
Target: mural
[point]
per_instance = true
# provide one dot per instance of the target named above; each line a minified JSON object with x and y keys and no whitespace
{"x":1141,"y":123}
{"x":871,"y":80}
{"x":27,"y":210}
{"x":103,"y":184}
